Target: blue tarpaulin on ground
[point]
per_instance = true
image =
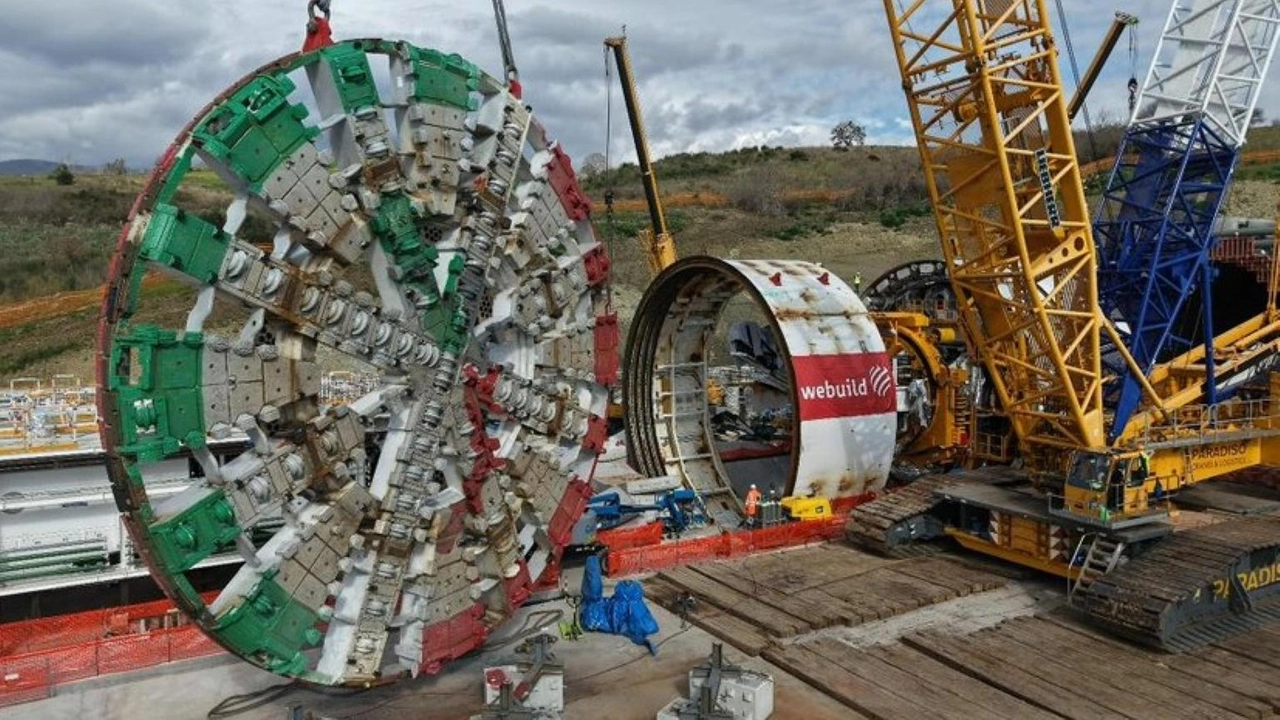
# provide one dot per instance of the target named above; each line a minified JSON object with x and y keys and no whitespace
{"x":625,"y":613}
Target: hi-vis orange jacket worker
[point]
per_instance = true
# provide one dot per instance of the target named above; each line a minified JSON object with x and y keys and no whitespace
{"x":753,"y":501}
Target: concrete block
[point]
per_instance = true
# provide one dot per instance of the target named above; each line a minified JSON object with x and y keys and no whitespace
{"x":748,"y":695}
{"x":546,"y":696}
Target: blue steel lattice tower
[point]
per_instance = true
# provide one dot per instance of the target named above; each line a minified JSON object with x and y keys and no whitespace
{"x":1154,"y":228}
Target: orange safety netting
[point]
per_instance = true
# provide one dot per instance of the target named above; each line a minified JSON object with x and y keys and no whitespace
{"x":37,"y":655}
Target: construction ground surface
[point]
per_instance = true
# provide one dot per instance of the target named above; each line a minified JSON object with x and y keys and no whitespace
{"x":845,"y":634}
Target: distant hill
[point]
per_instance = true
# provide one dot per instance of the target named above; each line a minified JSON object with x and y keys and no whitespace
{"x":28,"y":166}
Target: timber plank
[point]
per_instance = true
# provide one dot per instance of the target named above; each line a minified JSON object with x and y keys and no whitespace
{"x":1233,"y":663}
{"x":816,"y":614}
{"x":1129,"y":675}
{"x":941,"y":703}
{"x":1212,"y":664}
{"x":1259,"y":644}
{"x":1046,"y":664}
{"x":851,"y":690}
{"x":792,"y":571}
{"x":901,"y":593}
{"x":848,"y":614}
{"x":866,"y":603}
{"x":1232,"y":679}
{"x":733,"y":630}
{"x":1007,"y":677}
{"x":1206,"y":681}
{"x":773,"y":621}
{"x":927,"y":591}
{"x":975,"y":692}
{"x":941,"y":571}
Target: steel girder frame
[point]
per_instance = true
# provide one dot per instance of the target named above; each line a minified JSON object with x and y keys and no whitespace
{"x":1173,"y":170}
{"x":1155,"y":233}
{"x":986,"y":101}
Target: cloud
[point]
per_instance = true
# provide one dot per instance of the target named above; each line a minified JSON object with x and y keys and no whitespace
{"x":68,"y":34}
{"x":91,"y":81}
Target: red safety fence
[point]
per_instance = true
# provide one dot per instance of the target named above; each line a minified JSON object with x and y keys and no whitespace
{"x":59,"y":631}
{"x":38,"y":655}
{"x":623,"y":561}
{"x":631,"y":537}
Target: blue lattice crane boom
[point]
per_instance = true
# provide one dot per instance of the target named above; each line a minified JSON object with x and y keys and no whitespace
{"x":1154,"y":227}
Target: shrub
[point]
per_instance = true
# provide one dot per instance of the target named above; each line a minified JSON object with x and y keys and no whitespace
{"x":892,"y":219}
{"x":63,"y":175}
{"x":758,"y":191}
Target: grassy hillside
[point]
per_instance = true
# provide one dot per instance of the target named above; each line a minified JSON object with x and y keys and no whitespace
{"x":816,"y":204}
{"x":55,"y":238}
{"x":860,"y":211}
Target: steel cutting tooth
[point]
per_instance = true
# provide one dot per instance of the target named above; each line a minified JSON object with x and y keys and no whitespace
{"x":435,"y":236}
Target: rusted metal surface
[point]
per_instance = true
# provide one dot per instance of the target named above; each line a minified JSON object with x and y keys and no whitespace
{"x":834,"y":366}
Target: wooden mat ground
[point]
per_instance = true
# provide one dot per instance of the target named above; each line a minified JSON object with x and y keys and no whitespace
{"x":753,"y":601}
{"x":778,"y":606}
{"x":1040,"y":667}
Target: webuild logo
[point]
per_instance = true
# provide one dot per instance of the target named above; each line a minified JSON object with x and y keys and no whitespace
{"x":844,"y":385}
{"x":877,"y":381}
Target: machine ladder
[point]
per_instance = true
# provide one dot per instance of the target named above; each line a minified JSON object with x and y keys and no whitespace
{"x":690,"y":447}
{"x":1103,"y":555}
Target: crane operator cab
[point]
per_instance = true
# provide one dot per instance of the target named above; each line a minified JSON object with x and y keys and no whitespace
{"x":1111,"y":489}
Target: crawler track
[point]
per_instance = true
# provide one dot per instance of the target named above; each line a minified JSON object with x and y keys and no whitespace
{"x":896,"y":519}
{"x":1194,"y":588}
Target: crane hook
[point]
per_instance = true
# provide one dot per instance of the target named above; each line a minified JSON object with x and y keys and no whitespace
{"x":319,"y":34}
{"x":508,"y":57}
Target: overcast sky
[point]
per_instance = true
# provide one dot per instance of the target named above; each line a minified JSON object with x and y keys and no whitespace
{"x":714,"y":74}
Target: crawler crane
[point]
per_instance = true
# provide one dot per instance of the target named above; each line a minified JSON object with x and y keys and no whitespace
{"x":1087,"y":501}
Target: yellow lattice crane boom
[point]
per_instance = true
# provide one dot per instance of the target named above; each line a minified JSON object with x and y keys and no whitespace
{"x":656,"y":242}
{"x":1122,"y":21}
{"x":991,"y":121}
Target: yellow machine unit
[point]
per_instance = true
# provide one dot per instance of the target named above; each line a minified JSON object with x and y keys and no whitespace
{"x":807,"y":508}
